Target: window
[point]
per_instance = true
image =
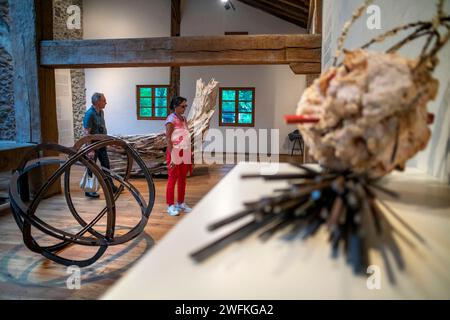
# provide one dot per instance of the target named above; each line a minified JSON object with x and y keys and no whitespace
{"x":152,"y":102}
{"x":237,"y":107}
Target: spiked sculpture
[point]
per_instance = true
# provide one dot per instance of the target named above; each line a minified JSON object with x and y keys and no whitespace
{"x":362,"y":118}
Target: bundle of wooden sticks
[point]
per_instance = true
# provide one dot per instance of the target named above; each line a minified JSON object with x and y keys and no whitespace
{"x":152,"y":147}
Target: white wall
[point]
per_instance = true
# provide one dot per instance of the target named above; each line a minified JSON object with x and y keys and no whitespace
{"x":208,"y":18}
{"x":119,"y":87}
{"x":277,"y":91}
{"x":103,"y":19}
{"x":111,"y":19}
{"x":435,"y":159}
{"x":277,"y":88}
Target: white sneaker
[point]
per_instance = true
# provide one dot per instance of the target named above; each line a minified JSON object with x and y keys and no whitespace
{"x":184,"y":207}
{"x":173,"y":210}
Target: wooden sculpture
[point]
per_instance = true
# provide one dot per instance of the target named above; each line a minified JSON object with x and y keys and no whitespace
{"x":152,"y":147}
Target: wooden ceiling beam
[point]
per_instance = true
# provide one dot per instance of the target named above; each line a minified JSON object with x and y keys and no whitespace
{"x":293,"y":16}
{"x":278,"y":7}
{"x":287,"y":7}
{"x":315,"y":17}
{"x":305,"y":67}
{"x":181,"y":51}
{"x":300,"y":5}
{"x":292,"y":4}
{"x":175,"y":31}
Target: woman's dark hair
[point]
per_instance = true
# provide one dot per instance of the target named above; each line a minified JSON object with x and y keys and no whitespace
{"x":175,"y":102}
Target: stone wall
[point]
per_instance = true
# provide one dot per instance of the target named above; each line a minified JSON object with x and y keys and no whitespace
{"x":60,"y":31}
{"x":7,"y":115}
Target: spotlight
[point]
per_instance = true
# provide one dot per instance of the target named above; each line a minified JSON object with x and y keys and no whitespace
{"x":228,"y":4}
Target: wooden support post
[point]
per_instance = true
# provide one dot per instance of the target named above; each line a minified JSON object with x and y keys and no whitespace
{"x":26,"y":93}
{"x":317,"y":21}
{"x":314,"y":27}
{"x":175,"y":31}
{"x":305,"y":68}
{"x":174,"y":81}
{"x":47,"y":94}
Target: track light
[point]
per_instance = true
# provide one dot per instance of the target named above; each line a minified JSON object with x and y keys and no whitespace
{"x":228,"y":4}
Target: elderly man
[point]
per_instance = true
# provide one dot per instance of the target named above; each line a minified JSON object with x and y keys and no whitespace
{"x":94,"y":123}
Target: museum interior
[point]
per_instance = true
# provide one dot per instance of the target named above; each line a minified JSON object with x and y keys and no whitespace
{"x":224,"y":149}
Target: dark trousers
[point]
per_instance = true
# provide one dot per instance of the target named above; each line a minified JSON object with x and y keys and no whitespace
{"x":102,"y":155}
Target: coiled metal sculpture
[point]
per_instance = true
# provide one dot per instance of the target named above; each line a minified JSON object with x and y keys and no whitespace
{"x":25,"y":212}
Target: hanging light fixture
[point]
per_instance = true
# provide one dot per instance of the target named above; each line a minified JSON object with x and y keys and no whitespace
{"x":228,"y":4}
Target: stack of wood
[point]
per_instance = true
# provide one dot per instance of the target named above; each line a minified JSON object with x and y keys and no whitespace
{"x":152,"y":147}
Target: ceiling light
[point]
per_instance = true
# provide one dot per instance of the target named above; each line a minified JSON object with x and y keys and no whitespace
{"x":228,"y":4}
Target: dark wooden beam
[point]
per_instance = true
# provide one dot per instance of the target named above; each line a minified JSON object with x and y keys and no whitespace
{"x":11,"y":153}
{"x":46,"y":76}
{"x":318,"y":16}
{"x":175,"y":18}
{"x":26,"y":92}
{"x":47,"y":93}
{"x":34,"y":88}
{"x":305,"y":68}
{"x":294,"y":6}
{"x":300,"y":5}
{"x":175,"y":31}
{"x":315,"y":17}
{"x":297,"y":17}
{"x":314,"y":27}
{"x":182,"y":51}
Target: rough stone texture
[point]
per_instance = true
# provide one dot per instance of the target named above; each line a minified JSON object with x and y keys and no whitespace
{"x":7,"y":115}
{"x":60,"y":31}
{"x":60,"y":15}
{"x":78,"y":101}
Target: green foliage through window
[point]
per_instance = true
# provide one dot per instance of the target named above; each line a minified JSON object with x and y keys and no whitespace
{"x":228,"y":106}
{"x":245,"y":118}
{"x":152,"y":102}
{"x":146,"y":102}
{"x":237,"y":106}
{"x":245,"y":106}
{"x":160,"y":92}
{"x":146,"y":112}
{"x":161,"y":112}
{"x":245,"y":95}
{"x":228,"y":95}
{"x":146,"y":92}
{"x":228,"y":117}
{"x":161,"y":102}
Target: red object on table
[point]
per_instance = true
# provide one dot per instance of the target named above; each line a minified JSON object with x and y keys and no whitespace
{"x":295,"y":119}
{"x":430,"y":118}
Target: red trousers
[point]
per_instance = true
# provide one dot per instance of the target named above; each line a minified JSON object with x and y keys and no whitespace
{"x":177,"y":173}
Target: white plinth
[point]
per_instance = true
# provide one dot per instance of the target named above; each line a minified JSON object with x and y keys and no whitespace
{"x":280,"y":269}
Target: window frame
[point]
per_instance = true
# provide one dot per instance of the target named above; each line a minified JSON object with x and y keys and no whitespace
{"x":236,"y":106}
{"x":138,"y":100}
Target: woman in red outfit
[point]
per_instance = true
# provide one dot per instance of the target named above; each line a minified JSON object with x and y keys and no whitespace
{"x":178,"y":155}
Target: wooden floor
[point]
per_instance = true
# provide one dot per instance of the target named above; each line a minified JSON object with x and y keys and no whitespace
{"x":26,"y":275}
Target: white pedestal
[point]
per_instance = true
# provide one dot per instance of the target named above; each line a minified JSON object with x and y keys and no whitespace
{"x":280,"y":269}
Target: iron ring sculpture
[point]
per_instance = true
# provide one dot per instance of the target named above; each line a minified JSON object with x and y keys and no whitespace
{"x":24,"y":213}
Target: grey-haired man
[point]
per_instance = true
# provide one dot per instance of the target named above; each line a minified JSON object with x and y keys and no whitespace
{"x":94,"y":123}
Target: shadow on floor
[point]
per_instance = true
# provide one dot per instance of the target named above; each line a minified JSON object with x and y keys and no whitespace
{"x":23,"y":267}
